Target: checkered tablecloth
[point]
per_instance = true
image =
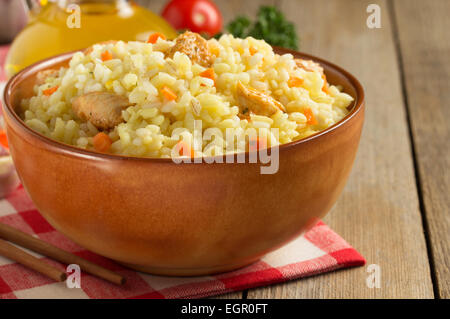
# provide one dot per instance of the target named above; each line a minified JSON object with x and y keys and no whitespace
{"x":319,"y":250}
{"x":3,"y":52}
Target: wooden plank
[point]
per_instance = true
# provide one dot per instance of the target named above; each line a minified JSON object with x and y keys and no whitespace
{"x":425,"y":45}
{"x":378,"y":212}
{"x":230,"y":295}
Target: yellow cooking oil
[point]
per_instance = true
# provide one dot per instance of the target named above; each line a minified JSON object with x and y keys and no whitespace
{"x":63,"y":26}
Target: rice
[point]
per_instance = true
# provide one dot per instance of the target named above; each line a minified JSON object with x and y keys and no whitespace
{"x":140,"y":70}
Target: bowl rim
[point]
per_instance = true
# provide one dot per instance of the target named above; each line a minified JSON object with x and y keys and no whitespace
{"x":72,"y":150}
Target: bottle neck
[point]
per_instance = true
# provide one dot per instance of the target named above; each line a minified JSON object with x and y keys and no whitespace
{"x":86,"y":3}
{"x":96,"y":6}
{"x":35,"y":5}
{"x":65,"y":3}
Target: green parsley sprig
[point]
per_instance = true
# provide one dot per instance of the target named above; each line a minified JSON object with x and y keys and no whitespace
{"x":270,"y":25}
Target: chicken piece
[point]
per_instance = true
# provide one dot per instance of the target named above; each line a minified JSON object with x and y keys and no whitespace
{"x":41,"y":76}
{"x":102,"y":109}
{"x":256,"y":102}
{"x":194,"y":46}
{"x":309,"y":65}
{"x":91,"y":48}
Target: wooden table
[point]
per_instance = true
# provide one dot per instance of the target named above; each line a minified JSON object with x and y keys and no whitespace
{"x":395,"y":207}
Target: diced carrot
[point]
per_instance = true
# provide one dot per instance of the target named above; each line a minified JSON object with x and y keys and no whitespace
{"x":257,"y":144}
{"x":209,"y":73}
{"x":50,"y":91}
{"x":102,"y":142}
{"x":106,"y":55}
{"x":252,"y":50}
{"x":261,"y":143}
{"x":310,"y":118}
{"x":168,"y":93}
{"x":185,"y":149}
{"x":294,"y":82}
{"x":155,"y":36}
{"x":4,"y":139}
{"x":325,"y":84}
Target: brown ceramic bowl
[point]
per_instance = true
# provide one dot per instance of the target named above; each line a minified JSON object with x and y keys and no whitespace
{"x":182,"y":219}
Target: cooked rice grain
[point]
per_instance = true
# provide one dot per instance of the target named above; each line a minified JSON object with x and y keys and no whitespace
{"x":139,"y":70}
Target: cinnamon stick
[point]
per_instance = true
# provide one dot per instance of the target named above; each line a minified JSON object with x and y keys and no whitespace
{"x":20,"y":238}
{"x":12,"y":252}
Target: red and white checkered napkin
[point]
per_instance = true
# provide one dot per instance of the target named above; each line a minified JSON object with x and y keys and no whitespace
{"x":319,"y":250}
{"x":3,"y":51}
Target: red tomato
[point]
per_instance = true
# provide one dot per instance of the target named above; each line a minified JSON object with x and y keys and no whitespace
{"x":201,"y":16}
